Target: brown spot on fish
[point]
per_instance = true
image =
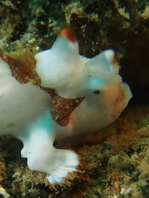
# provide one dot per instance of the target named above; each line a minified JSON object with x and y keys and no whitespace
{"x":61,"y":108}
{"x":68,"y":34}
{"x":22,"y":66}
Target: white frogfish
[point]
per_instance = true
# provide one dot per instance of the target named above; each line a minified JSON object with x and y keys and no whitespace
{"x":58,"y":92}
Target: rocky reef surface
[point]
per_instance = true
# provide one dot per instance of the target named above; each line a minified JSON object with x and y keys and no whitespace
{"x":114,"y":161}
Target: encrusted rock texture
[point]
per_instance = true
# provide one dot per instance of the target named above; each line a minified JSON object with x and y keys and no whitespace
{"x":115,"y":161}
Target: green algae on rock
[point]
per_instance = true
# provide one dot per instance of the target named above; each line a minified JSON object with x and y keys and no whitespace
{"x":122,"y":26}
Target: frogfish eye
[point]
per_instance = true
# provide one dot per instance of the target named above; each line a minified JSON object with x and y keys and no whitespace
{"x":96,"y":92}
